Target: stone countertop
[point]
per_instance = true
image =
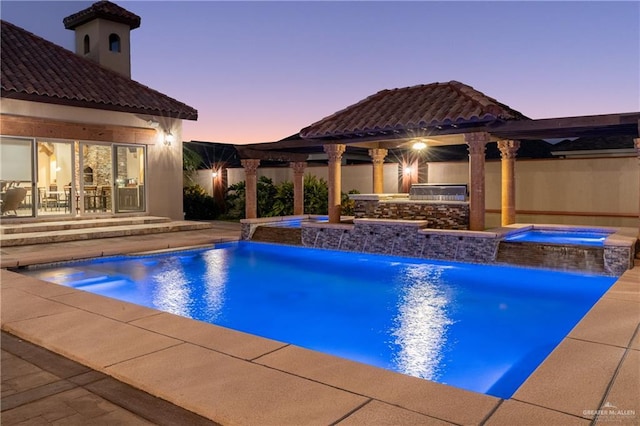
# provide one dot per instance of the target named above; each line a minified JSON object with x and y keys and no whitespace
{"x":400,"y":198}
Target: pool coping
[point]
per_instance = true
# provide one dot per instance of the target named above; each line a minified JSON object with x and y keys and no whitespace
{"x":232,"y":377}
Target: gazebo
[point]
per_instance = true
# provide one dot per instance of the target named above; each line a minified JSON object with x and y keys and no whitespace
{"x":434,"y":114}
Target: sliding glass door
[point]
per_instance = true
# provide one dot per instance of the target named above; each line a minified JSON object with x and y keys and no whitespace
{"x":130,"y":178}
{"x":96,"y":178}
{"x":55,"y":192}
{"x":17,"y":195}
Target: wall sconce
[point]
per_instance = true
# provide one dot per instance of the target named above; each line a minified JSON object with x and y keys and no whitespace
{"x":214,"y":174}
{"x":408,"y":170}
{"x":169,"y":139}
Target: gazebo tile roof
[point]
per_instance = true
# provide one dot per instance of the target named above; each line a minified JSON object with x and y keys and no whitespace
{"x":427,"y":105}
{"x":35,"y":69}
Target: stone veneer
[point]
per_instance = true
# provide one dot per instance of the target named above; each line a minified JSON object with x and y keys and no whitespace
{"x":407,"y":238}
{"x":439,"y":214}
{"x":412,"y":238}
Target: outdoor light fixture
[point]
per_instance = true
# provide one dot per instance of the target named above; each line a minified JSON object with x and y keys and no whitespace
{"x":153,"y":123}
{"x":169,"y":139}
{"x":407,"y":170}
{"x":419,"y":146}
{"x":214,"y":174}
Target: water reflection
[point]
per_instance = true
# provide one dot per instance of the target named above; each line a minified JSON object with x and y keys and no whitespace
{"x":422,"y":322}
{"x":172,"y":292}
{"x":215,"y":279}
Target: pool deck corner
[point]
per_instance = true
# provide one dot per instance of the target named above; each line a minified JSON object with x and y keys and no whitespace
{"x":236,"y":378}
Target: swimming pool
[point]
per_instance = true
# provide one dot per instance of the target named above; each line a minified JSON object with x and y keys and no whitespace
{"x":477,"y":327}
{"x":561,"y":236}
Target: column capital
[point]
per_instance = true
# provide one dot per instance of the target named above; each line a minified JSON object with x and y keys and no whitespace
{"x":250,"y":165}
{"x":508,"y":148}
{"x":335,"y":151}
{"x":477,"y":142}
{"x":477,"y":137}
{"x":298,"y":166}
{"x":378,"y":155}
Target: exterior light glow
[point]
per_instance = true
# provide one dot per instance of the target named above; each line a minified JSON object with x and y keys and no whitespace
{"x":407,"y":170}
{"x":169,"y":139}
{"x":419,"y":146}
{"x":214,"y":174}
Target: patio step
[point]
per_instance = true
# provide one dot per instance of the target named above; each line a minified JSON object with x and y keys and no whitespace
{"x":109,"y":231}
{"x":61,"y":225}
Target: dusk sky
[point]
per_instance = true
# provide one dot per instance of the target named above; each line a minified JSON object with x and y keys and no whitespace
{"x":261,"y":71}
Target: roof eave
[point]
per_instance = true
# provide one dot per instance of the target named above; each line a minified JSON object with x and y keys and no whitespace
{"x":183,"y":115}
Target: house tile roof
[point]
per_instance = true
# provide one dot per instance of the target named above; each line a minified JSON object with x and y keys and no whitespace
{"x":412,"y":108}
{"x":105,"y":10}
{"x":35,"y":69}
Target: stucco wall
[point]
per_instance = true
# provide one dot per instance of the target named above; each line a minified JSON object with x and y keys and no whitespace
{"x":596,"y":185}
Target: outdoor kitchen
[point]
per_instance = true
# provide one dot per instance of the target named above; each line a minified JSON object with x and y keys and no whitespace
{"x":443,"y":206}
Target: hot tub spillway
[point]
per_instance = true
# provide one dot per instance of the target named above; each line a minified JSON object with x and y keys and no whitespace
{"x":552,"y":256}
{"x":278,"y":235}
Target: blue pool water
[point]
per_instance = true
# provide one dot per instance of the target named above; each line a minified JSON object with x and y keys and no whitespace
{"x":477,"y":327}
{"x":585,"y":238}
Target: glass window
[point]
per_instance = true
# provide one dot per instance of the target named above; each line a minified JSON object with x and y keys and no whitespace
{"x":55,"y":178}
{"x":130,"y":178}
{"x":16,"y":177}
{"x":87,"y":46}
{"x":114,"y":42}
{"x":97,"y":172}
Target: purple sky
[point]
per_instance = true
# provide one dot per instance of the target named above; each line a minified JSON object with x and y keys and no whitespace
{"x":261,"y":71}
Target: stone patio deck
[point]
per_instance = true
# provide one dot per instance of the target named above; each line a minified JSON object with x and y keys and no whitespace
{"x":236,"y":378}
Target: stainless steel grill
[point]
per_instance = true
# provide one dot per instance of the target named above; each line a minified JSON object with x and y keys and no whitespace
{"x":438,"y":192}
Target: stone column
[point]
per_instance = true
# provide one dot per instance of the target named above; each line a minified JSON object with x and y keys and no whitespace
{"x":508,"y":150}
{"x":637,"y":144}
{"x":378,"y":155}
{"x":251,"y":187}
{"x":477,"y":143}
{"x":298,"y":186}
{"x":335,"y":180}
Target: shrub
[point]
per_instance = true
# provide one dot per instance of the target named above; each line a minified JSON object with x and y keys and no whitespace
{"x":197,"y":204}
{"x":348,"y":205}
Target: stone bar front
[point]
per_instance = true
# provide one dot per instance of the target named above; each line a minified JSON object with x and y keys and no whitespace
{"x":439,"y":214}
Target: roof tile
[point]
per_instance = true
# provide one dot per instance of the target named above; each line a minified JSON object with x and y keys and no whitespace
{"x":35,"y":69}
{"x":427,"y":105}
{"x":102,"y":9}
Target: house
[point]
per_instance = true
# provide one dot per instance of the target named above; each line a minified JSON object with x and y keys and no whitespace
{"x":77,"y":133}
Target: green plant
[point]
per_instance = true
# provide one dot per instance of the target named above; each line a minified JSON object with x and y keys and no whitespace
{"x":197,"y":204}
{"x":234,"y":200}
{"x":191,"y":162}
{"x":316,"y":195}
{"x":266,"y":193}
{"x":283,"y":201}
{"x":347,"y":204}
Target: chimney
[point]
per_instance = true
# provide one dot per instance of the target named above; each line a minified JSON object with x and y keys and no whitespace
{"x":103,"y":35}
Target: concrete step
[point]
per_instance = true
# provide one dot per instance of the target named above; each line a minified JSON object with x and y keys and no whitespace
{"x":111,"y":231}
{"x":61,"y":225}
